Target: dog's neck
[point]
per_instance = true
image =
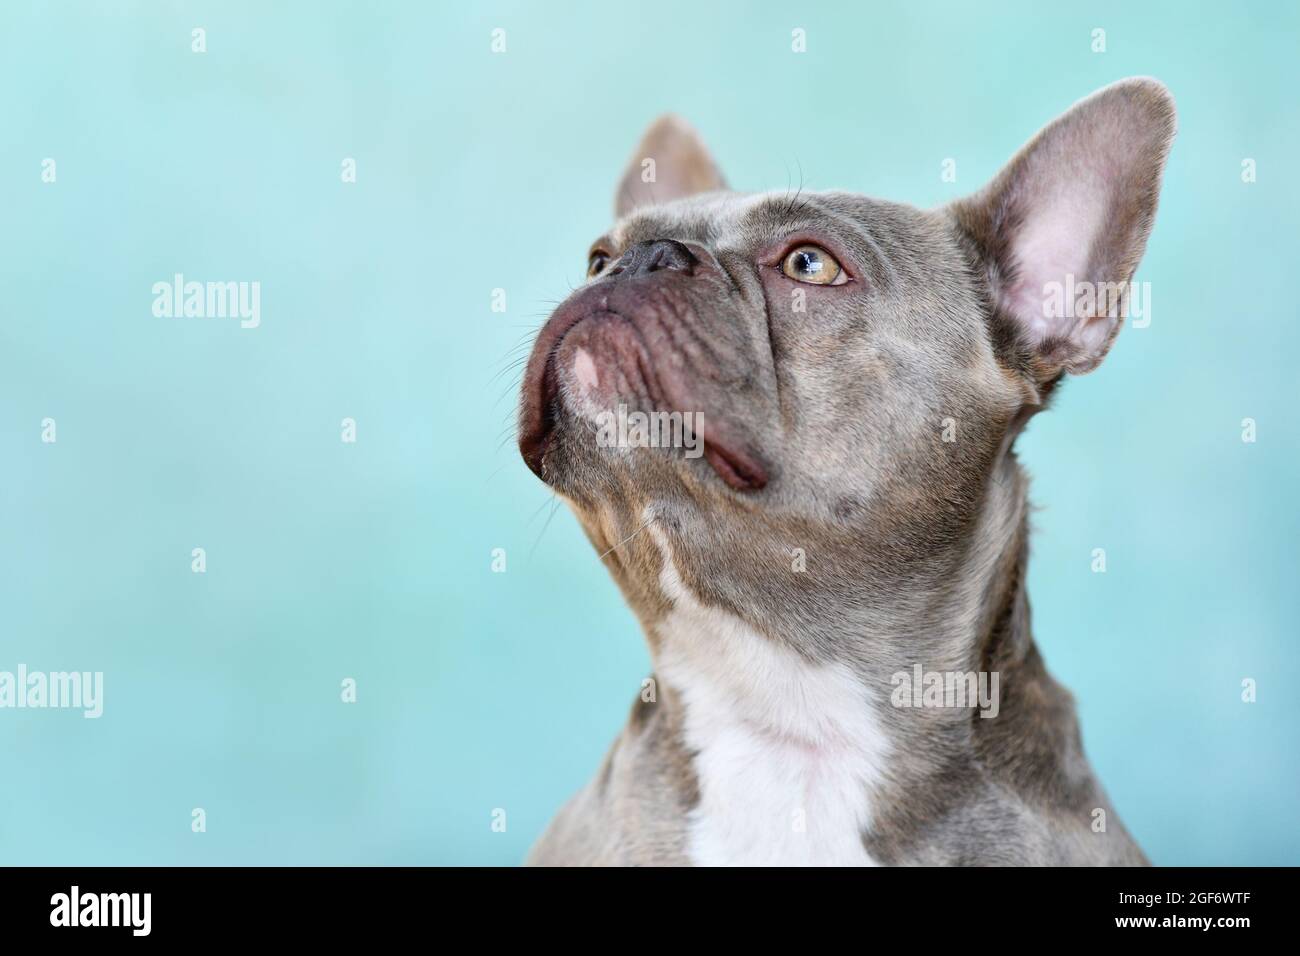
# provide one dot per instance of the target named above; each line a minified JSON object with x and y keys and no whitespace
{"x":736,"y":697}
{"x":958,"y":616}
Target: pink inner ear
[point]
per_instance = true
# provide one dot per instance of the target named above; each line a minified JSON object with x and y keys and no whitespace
{"x":1069,"y":218}
{"x":1062,"y":220}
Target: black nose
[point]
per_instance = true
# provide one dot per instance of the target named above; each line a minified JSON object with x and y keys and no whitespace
{"x":653,"y":255}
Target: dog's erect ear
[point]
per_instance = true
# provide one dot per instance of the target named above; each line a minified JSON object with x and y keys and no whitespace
{"x":1062,"y":227}
{"x":670,"y":162}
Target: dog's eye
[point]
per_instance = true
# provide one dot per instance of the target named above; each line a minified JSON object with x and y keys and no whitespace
{"x":813,"y":264}
{"x":596,"y":264}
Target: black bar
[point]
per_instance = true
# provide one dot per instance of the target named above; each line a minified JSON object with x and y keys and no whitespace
{"x":333,"y":905}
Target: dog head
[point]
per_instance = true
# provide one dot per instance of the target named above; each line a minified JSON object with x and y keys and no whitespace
{"x":831,"y":368}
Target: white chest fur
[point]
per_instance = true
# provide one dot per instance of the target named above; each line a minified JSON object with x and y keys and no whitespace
{"x":788,"y":752}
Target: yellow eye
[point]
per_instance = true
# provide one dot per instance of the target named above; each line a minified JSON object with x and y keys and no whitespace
{"x":596,"y":264}
{"x":813,"y":264}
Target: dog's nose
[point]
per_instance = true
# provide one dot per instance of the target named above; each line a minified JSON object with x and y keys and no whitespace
{"x":653,"y":255}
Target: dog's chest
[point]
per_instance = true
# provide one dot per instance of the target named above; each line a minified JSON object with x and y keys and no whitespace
{"x":787,"y":754}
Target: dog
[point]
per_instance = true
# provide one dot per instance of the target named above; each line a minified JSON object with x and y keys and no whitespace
{"x":858,"y":371}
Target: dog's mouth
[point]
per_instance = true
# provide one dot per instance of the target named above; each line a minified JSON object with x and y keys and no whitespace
{"x":538,"y":417}
{"x":619,"y":349}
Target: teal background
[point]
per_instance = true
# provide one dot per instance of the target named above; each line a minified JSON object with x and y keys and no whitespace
{"x":478,"y":171}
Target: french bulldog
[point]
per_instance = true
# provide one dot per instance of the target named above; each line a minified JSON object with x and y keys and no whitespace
{"x":854,"y":533}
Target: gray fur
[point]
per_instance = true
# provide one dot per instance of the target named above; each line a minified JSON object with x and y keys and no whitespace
{"x":916,"y":547}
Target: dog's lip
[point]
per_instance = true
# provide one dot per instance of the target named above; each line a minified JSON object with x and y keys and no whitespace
{"x":541,"y":389}
{"x":738,"y":467}
{"x":741,"y":471}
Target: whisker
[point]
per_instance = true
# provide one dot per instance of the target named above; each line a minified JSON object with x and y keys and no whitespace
{"x":550,"y":498}
{"x":647,"y":524}
{"x":514,"y":364}
{"x":541,"y":534}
